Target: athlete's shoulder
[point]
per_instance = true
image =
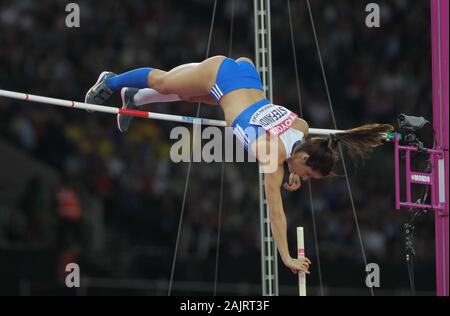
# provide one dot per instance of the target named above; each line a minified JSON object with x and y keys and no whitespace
{"x":302,"y":126}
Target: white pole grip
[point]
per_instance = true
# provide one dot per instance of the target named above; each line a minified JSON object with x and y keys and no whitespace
{"x":301,"y":255}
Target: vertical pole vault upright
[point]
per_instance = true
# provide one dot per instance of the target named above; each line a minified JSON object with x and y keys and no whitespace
{"x":263,"y":49}
{"x":439,"y":21}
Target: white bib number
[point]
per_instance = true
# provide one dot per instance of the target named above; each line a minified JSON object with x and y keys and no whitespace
{"x":273,"y":118}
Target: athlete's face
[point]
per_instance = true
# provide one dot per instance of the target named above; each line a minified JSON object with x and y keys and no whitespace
{"x":297,"y":165}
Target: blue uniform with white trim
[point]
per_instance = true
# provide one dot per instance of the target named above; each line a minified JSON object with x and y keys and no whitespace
{"x":261,"y":117}
{"x":234,"y":75}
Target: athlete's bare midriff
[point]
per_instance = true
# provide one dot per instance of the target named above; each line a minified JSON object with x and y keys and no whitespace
{"x":235,"y":102}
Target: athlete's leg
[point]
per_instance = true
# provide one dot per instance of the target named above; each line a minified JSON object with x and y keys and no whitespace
{"x":188,"y":81}
{"x":133,"y":98}
{"x":180,"y":78}
{"x":171,"y":86}
{"x":194,"y":80}
{"x":148,"y":96}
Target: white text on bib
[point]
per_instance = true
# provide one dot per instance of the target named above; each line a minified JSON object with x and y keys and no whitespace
{"x":273,"y":118}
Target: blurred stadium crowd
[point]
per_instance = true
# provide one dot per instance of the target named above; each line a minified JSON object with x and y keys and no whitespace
{"x":115,"y":200}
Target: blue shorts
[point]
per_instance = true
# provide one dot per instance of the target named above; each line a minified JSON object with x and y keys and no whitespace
{"x":246,"y":132}
{"x":234,"y":75}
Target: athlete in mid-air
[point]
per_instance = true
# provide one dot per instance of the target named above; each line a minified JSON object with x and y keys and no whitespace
{"x":235,"y":85}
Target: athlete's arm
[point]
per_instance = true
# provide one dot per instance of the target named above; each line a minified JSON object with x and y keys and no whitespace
{"x":273,"y":182}
{"x":304,"y":127}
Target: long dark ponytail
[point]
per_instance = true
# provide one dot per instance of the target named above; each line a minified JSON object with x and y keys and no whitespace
{"x":358,"y":142}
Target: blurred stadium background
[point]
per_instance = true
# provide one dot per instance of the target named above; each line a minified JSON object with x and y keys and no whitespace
{"x":74,"y":189}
